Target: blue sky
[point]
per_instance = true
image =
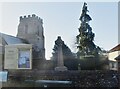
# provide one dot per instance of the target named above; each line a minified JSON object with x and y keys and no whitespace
{"x":62,"y":19}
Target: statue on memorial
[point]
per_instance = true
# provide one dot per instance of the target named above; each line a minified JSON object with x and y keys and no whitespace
{"x":68,"y":56}
{"x":60,"y":62}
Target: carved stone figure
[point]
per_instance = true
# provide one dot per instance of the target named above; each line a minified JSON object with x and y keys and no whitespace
{"x":60,"y":62}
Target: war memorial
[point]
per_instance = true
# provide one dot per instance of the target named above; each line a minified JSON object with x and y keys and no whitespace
{"x":23,"y":59}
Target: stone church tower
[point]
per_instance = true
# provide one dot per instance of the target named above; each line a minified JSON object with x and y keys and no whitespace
{"x":31,"y":29}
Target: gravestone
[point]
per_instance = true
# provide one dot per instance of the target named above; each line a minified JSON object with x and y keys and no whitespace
{"x":60,"y":62}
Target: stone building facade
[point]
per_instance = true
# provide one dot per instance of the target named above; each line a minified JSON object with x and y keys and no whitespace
{"x":31,"y":29}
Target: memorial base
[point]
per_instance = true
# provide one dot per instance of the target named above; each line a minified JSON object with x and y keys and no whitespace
{"x":61,"y":68}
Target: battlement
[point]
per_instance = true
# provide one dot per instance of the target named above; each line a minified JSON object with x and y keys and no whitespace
{"x":31,"y":16}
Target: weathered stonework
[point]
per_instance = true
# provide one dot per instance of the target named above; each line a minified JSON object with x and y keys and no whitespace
{"x":31,"y":29}
{"x":1,"y":57}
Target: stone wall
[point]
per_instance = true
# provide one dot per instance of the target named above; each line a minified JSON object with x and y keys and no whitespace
{"x":1,"y":57}
{"x":85,"y":79}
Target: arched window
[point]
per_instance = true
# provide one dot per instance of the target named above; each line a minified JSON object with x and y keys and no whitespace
{"x":38,"y":32}
{"x":26,"y":29}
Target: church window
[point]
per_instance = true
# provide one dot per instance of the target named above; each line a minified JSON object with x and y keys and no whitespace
{"x":38,"y":38}
{"x":112,"y":65}
{"x":38,"y":30}
{"x":26,"y":29}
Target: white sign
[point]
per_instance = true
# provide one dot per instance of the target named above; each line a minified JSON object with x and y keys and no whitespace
{"x":3,"y":76}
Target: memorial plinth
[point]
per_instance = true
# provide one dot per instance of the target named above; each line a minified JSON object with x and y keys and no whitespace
{"x":60,"y":62}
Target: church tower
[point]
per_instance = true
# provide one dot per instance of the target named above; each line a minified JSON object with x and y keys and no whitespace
{"x":31,"y":29}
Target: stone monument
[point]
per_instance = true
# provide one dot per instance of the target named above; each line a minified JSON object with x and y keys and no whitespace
{"x":60,"y":62}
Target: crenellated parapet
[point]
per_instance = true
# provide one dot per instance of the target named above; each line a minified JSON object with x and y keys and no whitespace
{"x":33,"y":16}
